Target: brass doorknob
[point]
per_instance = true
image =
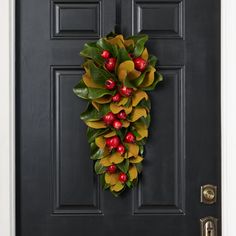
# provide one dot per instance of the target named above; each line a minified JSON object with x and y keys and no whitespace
{"x":208,"y":194}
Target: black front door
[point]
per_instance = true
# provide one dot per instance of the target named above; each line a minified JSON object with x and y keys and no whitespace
{"x":58,"y":193}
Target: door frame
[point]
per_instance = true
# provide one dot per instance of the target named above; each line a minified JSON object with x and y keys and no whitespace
{"x":7,"y":117}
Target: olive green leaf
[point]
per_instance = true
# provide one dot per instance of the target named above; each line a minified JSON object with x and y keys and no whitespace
{"x":99,"y":169}
{"x":124,"y":166}
{"x":158,"y":78}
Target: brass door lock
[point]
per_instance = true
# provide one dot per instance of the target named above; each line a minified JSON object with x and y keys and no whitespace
{"x":208,"y":194}
{"x":208,"y":226}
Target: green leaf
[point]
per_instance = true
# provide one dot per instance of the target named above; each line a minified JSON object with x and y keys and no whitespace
{"x":141,"y":149}
{"x":94,"y":133}
{"x":102,"y":43}
{"x":152,"y":60}
{"x":92,"y":53}
{"x":91,"y":114}
{"x":128,"y":83}
{"x":99,"y":169}
{"x":123,"y":55}
{"x":129,"y":184}
{"x":96,"y":153}
{"x":158,"y":78}
{"x":81,"y":90}
{"x":140,"y":41}
{"x":99,"y":75}
{"x":103,"y":182}
{"x":145,"y":103}
{"x":139,"y":167}
{"x":124,"y":166}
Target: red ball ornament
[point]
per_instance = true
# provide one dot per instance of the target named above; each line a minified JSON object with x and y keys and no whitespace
{"x":116,"y":97}
{"x":117,"y":124}
{"x":123,"y":177}
{"x":111,"y":169}
{"x":122,"y":115}
{"x":140,"y":64}
{"x":125,"y":91}
{"x":105,"y":54}
{"x":110,"y":64}
{"x":129,"y":138}
{"x":110,"y":84}
{"x":113,"y":142}
{"x":121,"y":149}
{"x":109,"y":118}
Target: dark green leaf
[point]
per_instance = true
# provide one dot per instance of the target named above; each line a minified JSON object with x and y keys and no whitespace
{"x":123,"y":55}
{"x":99,"y":169}
{"x":124,"y":166}
{"x":99,"y":75}
{"x":102,"y":43}
{"x":103,"y":182}
{"x":145,"y":103}
{"x":129,"y":184}
{"x":158,"y":78}
{"x":92,"y":53}
{"x":140,"y":41}
{"x":91,"y":114}
{"x":139,"y":167}
{"x":141,"y":149}
{"x":94,"y":133}
{"x":152,"y":60}
{"x":128,"y":83}
{"x":81,"y":90}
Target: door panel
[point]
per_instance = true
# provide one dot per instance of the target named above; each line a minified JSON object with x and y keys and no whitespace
{"x":58,"y":193}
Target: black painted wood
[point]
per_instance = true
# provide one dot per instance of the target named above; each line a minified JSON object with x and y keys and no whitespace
{"x":57,"y":192}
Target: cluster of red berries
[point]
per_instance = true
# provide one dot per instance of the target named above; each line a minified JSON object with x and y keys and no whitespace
{"x":122,"y":176}
{"x":115,"y":143}
{"x":114,"y":120}
{"x":110,"y":64}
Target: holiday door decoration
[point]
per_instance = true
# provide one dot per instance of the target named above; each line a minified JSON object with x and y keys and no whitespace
{"x":118,"y":74}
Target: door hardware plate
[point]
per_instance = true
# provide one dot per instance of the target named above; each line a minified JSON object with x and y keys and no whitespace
{"x":208,"y":226}
{"x":208,"y":194}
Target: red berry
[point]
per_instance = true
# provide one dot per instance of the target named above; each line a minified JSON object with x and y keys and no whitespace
{"x":130,"y":55}
{"x":117,"y":124}
{"x":129,"y":137}
{"x":111,"y":169}
{"x":110,"y":64}
{"x":109,"y":118}
{"x":123,"y":177}
{"x":105,"y":54}
{"x":110,"y":84}
{"x":116,"y":97}
{"x":122,"y":115}
{"x":121,"y":149}
{"x":113,"y":142}
{"x":140,"y":64}
{"x":125,"y":91}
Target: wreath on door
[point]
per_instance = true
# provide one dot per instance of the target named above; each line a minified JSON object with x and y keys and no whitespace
{"x":119,"y":73}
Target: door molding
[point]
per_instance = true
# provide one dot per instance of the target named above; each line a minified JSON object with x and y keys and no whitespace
{"x":7,"y":116}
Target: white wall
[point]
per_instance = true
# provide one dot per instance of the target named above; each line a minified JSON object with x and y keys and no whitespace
{"x":6,"y":128}
{"x":228,"y":86}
